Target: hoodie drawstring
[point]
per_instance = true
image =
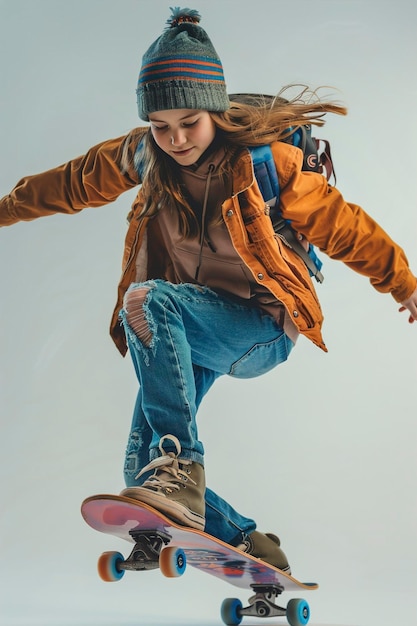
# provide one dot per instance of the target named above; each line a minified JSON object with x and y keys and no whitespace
{"x":203,"y":218}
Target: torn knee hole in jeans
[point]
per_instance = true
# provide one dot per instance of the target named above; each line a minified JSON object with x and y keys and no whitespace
{"x":137,"y":315}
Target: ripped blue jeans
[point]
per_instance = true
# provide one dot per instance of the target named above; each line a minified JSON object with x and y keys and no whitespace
{"x":181,"y":339}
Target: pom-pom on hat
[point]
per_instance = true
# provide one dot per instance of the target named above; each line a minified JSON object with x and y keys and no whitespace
{"x":181,"y":69}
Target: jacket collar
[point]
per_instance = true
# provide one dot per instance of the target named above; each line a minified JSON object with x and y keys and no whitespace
{"x":243,"y":172}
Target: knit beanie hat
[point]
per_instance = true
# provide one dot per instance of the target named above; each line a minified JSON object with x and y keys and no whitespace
{"x":181,"y":69}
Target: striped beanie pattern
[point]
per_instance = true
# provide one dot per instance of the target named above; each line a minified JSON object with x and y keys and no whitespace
{"x":181,"y":69}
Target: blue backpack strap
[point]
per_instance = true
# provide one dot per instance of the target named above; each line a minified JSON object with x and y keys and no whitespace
{"x":265,"y":172}
{"x":137,"y":159}
{"x":267,"y":178}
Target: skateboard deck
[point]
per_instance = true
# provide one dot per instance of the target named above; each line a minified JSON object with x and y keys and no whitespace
{"x":160,"y":542}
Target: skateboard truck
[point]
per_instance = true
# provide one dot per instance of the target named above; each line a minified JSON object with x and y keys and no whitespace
{"x":262,"y":604}
{"x":145,"y":554}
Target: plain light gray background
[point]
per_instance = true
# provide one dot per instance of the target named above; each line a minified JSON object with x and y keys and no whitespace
{"x":321,"y":451}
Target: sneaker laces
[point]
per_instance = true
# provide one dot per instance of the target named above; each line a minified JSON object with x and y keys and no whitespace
{"x":168,"y":475}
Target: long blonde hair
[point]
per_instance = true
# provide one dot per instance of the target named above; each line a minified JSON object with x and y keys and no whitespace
{"x":251,"y":120}
{"x":257,"y":119}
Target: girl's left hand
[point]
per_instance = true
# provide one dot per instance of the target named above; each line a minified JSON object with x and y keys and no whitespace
{"x":411,"y":305}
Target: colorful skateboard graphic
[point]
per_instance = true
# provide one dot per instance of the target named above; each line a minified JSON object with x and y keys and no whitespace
{"x":161,"y":543}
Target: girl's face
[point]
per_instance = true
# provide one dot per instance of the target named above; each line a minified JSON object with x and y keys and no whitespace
{"x":184,"y":134}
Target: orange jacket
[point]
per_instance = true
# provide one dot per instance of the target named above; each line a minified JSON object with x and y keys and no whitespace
{"x":318,"y":211}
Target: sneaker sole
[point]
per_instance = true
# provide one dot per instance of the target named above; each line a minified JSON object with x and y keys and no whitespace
{"x":175,"y":511}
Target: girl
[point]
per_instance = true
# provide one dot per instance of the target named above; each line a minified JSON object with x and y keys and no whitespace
{"x":207,"y":287}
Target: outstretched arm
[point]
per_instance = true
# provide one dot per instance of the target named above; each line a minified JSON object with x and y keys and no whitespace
{"x":91,"y":180}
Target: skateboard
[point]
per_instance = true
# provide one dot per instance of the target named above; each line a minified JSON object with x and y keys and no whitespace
{"x":161,"y":543}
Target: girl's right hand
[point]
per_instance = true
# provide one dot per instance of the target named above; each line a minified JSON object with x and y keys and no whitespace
{"x":411,"y":305}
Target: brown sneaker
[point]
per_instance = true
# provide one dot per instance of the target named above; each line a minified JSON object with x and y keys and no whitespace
{"x":176,"y":488}
{"x":266,"y":547}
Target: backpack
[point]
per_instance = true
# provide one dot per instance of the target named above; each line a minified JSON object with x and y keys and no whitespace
{"x":316,"y":158}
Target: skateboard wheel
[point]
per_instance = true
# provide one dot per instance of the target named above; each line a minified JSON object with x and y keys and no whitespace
{"x":230,"y":611}
{"x":108,"y":566}
{"x":172,"y":562}
{"x":298,"y":612}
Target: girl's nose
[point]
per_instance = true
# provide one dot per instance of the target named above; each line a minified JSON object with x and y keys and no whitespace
{"x":178,"y":137}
